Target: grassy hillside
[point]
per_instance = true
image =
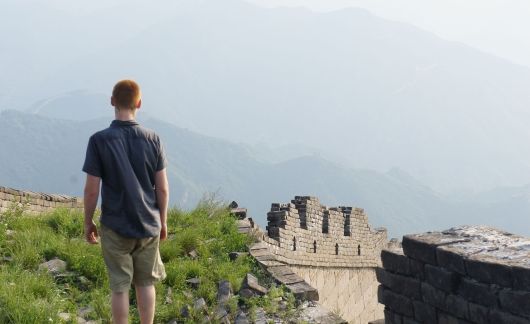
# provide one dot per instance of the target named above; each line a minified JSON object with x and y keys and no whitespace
{"x":29,"y":294}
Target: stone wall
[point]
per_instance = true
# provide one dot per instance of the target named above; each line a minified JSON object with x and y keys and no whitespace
{"x":304,"y":232}
{"x":334,"y":249}
{"x":34,"y":203}
{"x":351,"y":293}
{"x":463,"y":275}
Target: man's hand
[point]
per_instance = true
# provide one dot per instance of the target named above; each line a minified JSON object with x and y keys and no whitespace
{"x":163,"y":232}
{"x":91,"y":233}
{"x":90,"y":202}
{"x":162,"y":197}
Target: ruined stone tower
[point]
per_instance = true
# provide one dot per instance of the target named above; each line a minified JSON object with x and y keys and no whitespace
{"x":333,"y":249}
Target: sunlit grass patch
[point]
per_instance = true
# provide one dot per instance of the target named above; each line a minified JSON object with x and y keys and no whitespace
{"x":197,"y":247}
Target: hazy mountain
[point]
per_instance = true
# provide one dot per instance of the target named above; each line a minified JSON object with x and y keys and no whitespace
{"x":44,"y":154}
{"x":74,"y":105}
{"x":373,"y":93}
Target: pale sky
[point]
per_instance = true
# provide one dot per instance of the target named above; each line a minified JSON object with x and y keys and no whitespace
{"x":499,"y":27}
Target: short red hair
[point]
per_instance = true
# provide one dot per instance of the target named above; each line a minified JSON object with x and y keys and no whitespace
{"x":126,"y":94}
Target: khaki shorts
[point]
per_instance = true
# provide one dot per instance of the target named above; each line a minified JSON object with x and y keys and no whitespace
{"x":131,"y":260}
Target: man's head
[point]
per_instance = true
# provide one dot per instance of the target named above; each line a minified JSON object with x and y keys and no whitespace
{"x":126,"y":95}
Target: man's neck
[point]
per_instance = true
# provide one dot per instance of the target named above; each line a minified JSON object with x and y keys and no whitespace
{"x":124,"y":114}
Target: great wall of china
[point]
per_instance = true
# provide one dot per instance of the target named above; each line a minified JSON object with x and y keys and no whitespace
{"x":470,"y":274}
{"x":34,"y":202}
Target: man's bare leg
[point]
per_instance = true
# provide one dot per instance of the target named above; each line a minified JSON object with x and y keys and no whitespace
{"x":145,"y":298}
{"x":120,"y":307}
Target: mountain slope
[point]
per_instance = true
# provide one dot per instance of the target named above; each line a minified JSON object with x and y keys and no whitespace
{"x":376,"y":93}
{"x":43,"y":154}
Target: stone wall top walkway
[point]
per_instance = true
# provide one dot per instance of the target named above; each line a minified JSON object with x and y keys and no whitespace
{"x":469,"y":274}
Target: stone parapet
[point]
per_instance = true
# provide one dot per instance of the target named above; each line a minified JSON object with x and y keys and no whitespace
{"x":36,"y":202}
{"x":325,"y":253}
{"x":306,"y":233}
{"x":470,"y":274}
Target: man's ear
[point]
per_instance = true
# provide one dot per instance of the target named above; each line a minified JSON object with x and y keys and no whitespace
{"x":112,"y":102}
{"x":139,"y":104}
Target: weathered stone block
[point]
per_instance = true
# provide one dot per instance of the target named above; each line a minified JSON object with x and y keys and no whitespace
{"x":478,"y":313}
{"x":224,"y":292}
{"x":515,"y":301}
{"x":408,"y":320}
{"x":441,"y":278}
{"x":423,"y":312}
{"x":499,"y":317}
{"x":489,"y":272}
{"x":449,"y":258}
{"x":521,"y":277}
{"x":444,"y":318}
{"x":433,"y":296}
{"x":417,"y":269}
{"x":423,"y":246}
{"x":398,"y":303}
{"x":472,"y":290}
{"x":404,"y":285}
{"x":457,"y":306}
{"x":303,"y":291}
{"x":392,"y":318}
{"x":395,"y":261}
{"x":380,"y":290}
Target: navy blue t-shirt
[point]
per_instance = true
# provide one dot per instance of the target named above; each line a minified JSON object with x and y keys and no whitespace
{"x":126,"y":157}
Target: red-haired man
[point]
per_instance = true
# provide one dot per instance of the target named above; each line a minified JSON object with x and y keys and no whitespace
{"x":130,"y":164}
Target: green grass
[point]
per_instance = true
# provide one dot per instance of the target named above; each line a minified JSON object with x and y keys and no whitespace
{"x":28,"y":295}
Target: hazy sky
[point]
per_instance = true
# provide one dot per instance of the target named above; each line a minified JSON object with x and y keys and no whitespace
{"x":499,"y":27}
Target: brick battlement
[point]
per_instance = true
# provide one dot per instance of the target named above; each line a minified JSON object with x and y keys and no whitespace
{"x":304,"y":232}
{"x":36,"y":202}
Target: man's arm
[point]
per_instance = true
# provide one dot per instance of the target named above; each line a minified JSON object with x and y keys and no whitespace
{"x":90,"y":202}
{"x":162,"y":199}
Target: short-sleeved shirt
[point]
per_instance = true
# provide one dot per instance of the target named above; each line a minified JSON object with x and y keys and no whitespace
{"x":126,"y":156}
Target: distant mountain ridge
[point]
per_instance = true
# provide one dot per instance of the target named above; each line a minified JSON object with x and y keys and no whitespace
{"x":45,"y":154}
{"x":376,"y":93}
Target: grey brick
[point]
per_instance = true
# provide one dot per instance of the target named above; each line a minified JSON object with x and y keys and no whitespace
{"x":489,"y":272}
{"x":444,"y":318}
{"x":419,"y":250}
{"x":478,"y":313}
{"x":417,"y":269}
{"x":433,"y":296}
{"x":451,"y":260}
{"x":423,"y":312}
{"x":521,"y":278}
{"x":499,"y":317}
{"x":457,"y":306}
{"x":408,"y":320}
{"x":441,"y":278}
{"x":477,"y":292}
{"x":397,"y":303}
{"x":423,"y":246}
{"x":515,"y":301}
{"x":404,"y":285}
{"x":395,"y":262}
{"x":392,"y":317}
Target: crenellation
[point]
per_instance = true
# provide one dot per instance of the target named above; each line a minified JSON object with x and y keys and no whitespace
{"x":334,"y":236}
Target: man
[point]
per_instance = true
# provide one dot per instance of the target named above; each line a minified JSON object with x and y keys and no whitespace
{"x":130,"y":162}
